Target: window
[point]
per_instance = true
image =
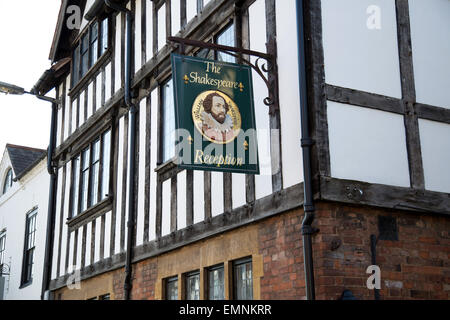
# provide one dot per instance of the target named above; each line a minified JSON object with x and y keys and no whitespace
{"x":168,"y":125}
{"x":216,"y":287}
{"x":172,"y":288}
{"x":2,"y":249}
{"x":91,"y":175}
{"x":7,"y":184}
{"x":193,"y":286}
{"x":92,"y":45}
{"x":243,"y":281}
{"x":28,"y":255}
{"x":226,"y":38}
{"x":105,"y":297}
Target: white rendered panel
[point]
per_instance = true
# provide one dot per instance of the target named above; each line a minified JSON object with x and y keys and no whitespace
{"x":88,"y":243}
{"x":435,"y":145}
{"x":108,"y":84}
{"x":60,"y":119}
{"x":141,"y":175}
{"x":239,"y":190}
{"x":117,"y":54}
{"x":181,"y":200}
{"x":81,"y":110}
{"x":119,"y":186}
{"x":70,"y":268}
{"x":74,"y":115}
{"x":98,"y":94}
{"x":153,"y":163}
{"x":430,"y":33}
{"x":79,"y":248}
{"x":216,"y":193}
{"x":367,"y":145}
{"x":289,"y":95}
{"x":361,"y":51}
{"x":176,"y":19}
{"x":263,"y":182}
{"x":191,"y":10}
{"x":138,"y":36}
{"x":67,"y":110}
{"x":199,"y":197}
{"x":90,"y":103}
{"x":108,"y":234}
{"x":165,"y":221}
{"x":161,"y":27}
{"x":65,"y":216}
{"x":149,"y":30}
{"x":98,"y":233}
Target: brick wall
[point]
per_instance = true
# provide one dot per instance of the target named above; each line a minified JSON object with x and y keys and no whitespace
{"x":416,"y":266}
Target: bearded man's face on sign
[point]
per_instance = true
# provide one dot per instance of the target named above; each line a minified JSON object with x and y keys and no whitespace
{"x":218,"y":109}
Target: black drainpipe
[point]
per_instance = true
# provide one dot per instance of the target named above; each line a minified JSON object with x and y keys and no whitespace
{"x":48,"y":259}
{"x":132,"y":109}
{"x":307,"y":142}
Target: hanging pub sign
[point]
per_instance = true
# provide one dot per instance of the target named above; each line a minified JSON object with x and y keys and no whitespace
{"x":214,"y":115}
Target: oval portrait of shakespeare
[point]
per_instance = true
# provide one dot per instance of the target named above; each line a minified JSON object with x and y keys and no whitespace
{"x":216,"y":116}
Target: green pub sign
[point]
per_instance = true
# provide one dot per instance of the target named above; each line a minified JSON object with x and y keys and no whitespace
{"x":214,"y":115}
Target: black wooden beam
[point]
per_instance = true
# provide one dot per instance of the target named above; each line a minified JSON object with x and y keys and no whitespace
{"x":384,"y":196}
{"x":364,"y":99}
{"x":316,"y":88}
{"x":409,"y":95}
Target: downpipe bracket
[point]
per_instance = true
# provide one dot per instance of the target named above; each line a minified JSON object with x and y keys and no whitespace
{"x":309,"y":230}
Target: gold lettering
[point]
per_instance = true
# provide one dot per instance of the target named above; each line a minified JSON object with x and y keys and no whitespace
{"x":199,"y":155}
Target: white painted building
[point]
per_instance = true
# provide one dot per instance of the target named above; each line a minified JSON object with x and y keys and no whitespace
{"x":23,"y":221}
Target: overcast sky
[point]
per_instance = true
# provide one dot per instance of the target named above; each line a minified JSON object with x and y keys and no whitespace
{"x":27,"y":28}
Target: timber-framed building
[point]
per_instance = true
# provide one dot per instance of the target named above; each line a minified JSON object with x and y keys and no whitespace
{"x":379,"y":118}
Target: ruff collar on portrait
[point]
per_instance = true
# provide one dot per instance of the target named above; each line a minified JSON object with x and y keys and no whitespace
{"x":212,"y":123}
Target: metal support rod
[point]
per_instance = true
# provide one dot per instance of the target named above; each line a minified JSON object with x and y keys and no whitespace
{"x":218,"y":47}
{"x":306,"y":143}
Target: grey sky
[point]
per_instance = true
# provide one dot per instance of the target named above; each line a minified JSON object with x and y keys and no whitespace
{"x":27,"y":28}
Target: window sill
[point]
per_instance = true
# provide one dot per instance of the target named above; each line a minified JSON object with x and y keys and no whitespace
{"x":168,"y":170}
{"x":26,"y":284}
{"x":92,"y":71}
{"x":90,"y":214}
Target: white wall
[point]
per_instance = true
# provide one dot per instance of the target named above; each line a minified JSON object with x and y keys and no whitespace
{"x":31,"y":191}
{"x":435,"y":144}
{"x":356,"y":56}
{"x":257,"y":21}
{"x":367,"y":145}
{"x":289,"y":94}
{"x":430,"y":32}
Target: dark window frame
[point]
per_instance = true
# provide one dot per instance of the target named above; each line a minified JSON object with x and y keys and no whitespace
{"x":2,"y":249}
{"x":186,"y":277}
{"x":235,"y":264}
{"x":8,"y":181}
{"x":77,"y":73}
{"x":29,"y":248}
{"x":76,"y":192}
{"x":208,"y":279}
{"x":166,"y":283}
{"x":162,"y":125}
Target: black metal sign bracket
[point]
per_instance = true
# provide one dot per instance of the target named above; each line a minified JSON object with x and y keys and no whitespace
{"x":270,"y":67}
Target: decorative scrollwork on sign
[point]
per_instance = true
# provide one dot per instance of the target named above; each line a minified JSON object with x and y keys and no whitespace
{"x":261,"y":68}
